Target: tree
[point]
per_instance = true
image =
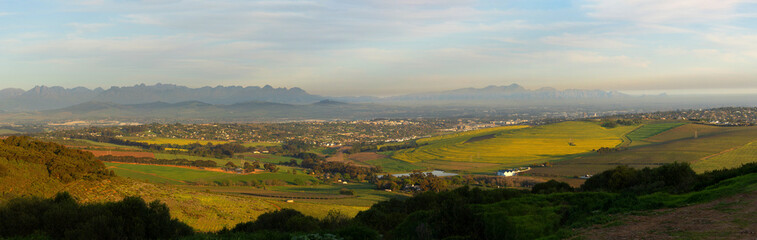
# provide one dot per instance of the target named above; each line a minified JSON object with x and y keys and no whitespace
{"x":271,"y":167}
{"x":231,"y":164}
{"x":248,"y":167}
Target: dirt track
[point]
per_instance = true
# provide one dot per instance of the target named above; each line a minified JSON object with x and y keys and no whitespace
{"x":729,"y":218}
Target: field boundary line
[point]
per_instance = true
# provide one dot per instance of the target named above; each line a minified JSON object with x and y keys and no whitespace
{"x":717,"y":154}
{"x":625,"y":136}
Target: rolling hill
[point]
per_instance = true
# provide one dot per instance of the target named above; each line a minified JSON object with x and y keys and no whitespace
{"x":516,"y":145}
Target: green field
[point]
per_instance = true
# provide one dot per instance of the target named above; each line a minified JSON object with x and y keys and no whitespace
{"x":393,"y":165}
{"x":638,"y":136}
{"x":514,"y":146}
{"x":177,"y":175}
{"x":91,"y":144}
{"x":730,"y":159}
{"x":8,"y":132}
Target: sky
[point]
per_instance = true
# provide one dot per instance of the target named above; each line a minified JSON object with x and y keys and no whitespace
{"x":382,"y":47}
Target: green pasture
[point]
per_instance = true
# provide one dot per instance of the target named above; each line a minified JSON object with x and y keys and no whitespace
{"x":393,"y":165}
{"x":4,"y":131}
{"x":177,"y":175}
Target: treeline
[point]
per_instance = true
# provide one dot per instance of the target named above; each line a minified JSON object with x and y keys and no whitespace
{"x":671,"y":178}
{"x":149,"y":160}
{"x":119,"y":141}
{"x":62,"y":163}
{"x":225,"y":150}
{"x":605,"y":150}
{"x":381,"y":147}
{"x":416,"y":182}
{"x":291,"y":224}
{"x":622,"y":122}
{"x":420,"y":182}
{"x":319,"y":165}
{"x":62,"y":217}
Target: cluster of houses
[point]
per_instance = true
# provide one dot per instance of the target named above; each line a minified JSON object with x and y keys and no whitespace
{"x":512,"y":171}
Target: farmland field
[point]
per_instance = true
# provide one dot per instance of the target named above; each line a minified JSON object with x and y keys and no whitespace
{"x":516,"y":145}
{"x":8,"y":131}
{"x":178,"y":175}
{"x":638,"y":136}
{"x":730,"y":159}
{"x":680,"y":146}
{"x":393,"y":165}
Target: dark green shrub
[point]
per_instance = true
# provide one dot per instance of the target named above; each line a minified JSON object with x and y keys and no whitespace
{"x":551,"y":186}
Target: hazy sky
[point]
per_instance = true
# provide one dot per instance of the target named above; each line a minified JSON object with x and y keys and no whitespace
{"x":381,"y":47}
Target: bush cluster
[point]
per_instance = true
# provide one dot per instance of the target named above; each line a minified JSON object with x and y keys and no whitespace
{"x":63,"y":218}
{"x":62,"y":163}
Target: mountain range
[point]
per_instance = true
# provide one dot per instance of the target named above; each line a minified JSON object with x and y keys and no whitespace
{"x":174,"y":103}
{"x":48,"y":98}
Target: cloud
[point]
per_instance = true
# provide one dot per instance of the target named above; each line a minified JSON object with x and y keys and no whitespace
{"x":668,"y":11}
{"x":141,"y":19}
{"x":88,"y":27}
{"x":89,"y":2}
{"x":584,"y":41}
{"x":586,"y":57}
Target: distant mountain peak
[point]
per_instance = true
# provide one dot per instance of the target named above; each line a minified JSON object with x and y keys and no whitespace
{"x":329,"y":102}
{"x":44,"y":98}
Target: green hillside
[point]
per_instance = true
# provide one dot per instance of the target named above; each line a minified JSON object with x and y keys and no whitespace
{"x":711,"y":148}
{"x":730,"y":158}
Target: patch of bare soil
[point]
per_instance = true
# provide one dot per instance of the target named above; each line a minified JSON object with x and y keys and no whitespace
{"x":366,"y":156}
{"x":340,"y":156}
{"x":729,"y":218}
{"x":337,"y":157}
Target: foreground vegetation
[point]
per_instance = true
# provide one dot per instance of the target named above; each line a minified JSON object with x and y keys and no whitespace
{"x":550,"y":211}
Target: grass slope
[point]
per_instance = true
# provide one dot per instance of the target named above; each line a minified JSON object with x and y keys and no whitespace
{"x":730,"y":159}
{"x":514,"y":146}
{"x":675,"y":145}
